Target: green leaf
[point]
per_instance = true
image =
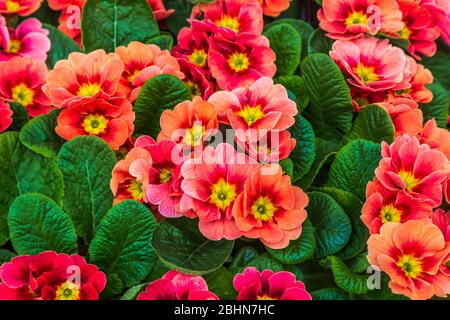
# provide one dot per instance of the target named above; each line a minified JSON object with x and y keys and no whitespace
{"x":358,"y":264}
{"x":331,"y":109}
{"x":6,"y":256}
{"x":133,"y":292}
{"x":39,"y":135}
{"x":164,"y":41}
{"x":438,"y":65}
{"x":352,"y":206}
{"x":318,"y":42}
{"x":346,"y":279}
{"x":263,"y":262}
{"x":332,"y":227}
{"x":122,"y":243}
{"x":157,"y":94}
{"x":23,"y":171}
{"x":438,"y":108}
{"x":45,"y":15}
{"x":286,"y":42}
{"x":298,"y":250}
{"x":329,"y":294}
{"x":87,"y":163}
{"x":288,"y":167}
{"x":20,"y":116}
{"x":373,"y":123}
{"x":179,"y":244}
{"x":297,"y":86}
{"x":220,"y":282}
{"x":179,"y":18}
{"x":305,"y":150}
{"x":114,"y":286}
{"x":243,"y":257}
{"x":355,"y":166}
{"x":62,"y":46}
{"x":108,"y":24}
{"x":37,"y":224}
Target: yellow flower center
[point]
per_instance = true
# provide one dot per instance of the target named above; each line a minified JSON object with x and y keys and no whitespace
{"x":14,"y":46}
{"x":89,"y":89}
{"x":405,"y":33}
{"x":239,"y":61}
{"x":132,"y":77}
{"x":263,"y":209}
{"x":365,"y":73}
{"x":229,"y":22}
{"x":199,"y":57}
{"x":390,"y":213}
{"x":12,"y":5}
{"x":136,"y":190}
{"x":410,"y":265}
{"x":356,"y":18}
{"x":408,"y":178}
{"x":95,"y":124}
{"x":265,"y":297}
{"x":251,"y":114}
{"x":22,"y":94}
{"x":165,"y":175}
{"x":223,"y":194}
{"x":67,"y":291}
{"x":194,"y":135}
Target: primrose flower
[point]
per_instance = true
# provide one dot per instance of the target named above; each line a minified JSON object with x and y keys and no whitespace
{"x":240,"y":60}
{"x":20,"y":7}
{"x":130,"y":177}
{"x":268,"y":285}
{"x":197,"y":79}
{"x":111,"y":120}
{"x":261,"y":106}
{"x":274,"y":8}
{"x":441,"y":219}
{"x":212,"y":182}
{"x":412,"y":254}
{"x":5,"y":116}
{"x":384,"y":205}
{"x":177,"y":286}
{"x":21,"y":81}
{"x":159,"y":10}
{"x":28,"y":39}
{"x":350,"y":19}
{"x":68,"y":21}
{"x":83,"y":77}
{"x":435,"y":137}
{"x":50,"y":276}
{"x":372,"y":64}
{"x":440,"y":11}
{"x":193,"y":45}
{"x":143,"y":62}
{"x":270,"y":208}
{"x":414,"y":168}
{"x":230,"y":16}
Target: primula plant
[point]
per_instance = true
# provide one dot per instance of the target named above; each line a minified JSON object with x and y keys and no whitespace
{"x":224,"y":149}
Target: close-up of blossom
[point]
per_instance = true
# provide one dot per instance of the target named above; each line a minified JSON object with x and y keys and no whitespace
{"x":274,"y":8}
{"x":20,"y":7}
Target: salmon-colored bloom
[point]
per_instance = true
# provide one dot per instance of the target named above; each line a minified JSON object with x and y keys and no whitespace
{"x":405,"y":114}
{"x":435,"y":137}
{"x":414,"y":168}
{"x":84,"y":77}
{"x":5,"y":116}
{"x":373,"y":64}
{"x":412,"y":254}
{"x":270,"y":208}
{"x":384,"y":205}
{"x":164,"y":188}
{"x":442,"y":220}
{"x":274,"y":8}
{"x":440,"y":11}
{"x":419,"y":79}
{"x":143,"y":62}
{"x":177,"y":286}
{"x":110,"y":120}
{"x":197,"y":79}
{"x":268,"y":285}
{"x":189,"y":123}
{"x":263,"y":106}
{"x":21,"y":7}
{"x":130,"y":177}
{"x":240,"y":60}
{"x":349,"y":19}
{"x":21,"y":80}
{"x":229,"y":16}
{"x":70,"y":18}
{"x":159,"y":10}
{"x":28,"y":39}
{"x":419,"y":28}
{"x":212,"y":182}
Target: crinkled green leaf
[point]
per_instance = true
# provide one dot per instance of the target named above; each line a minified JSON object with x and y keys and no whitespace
{"x":332,"y":226}
{"x":179,"y":243}
{"x":346,"y":279}
{"x":37,"y":224}
{"x":297,"y":86}
{"x":158,"y":94}
{"x":263,"y":262}
{"x":114,"y":286}
{"x":358,"y":264}
{"x":355,"y":166}
{"x":6,"y":256}
{"x":164,"y":41}
{"x":305,"y":150}
{"x":329,"y":294}
{"x":20,"y":116}
{"x":286,"y":42}
{"x":62,"y":46}
{"x":132,"y":293}
{"x":288,"y":167}
{"x":318,"y":42}
{"x":39,"y":135}
{"x":438,"y":107}
{"x":122,"y":243}
{"x":108,"y":24}
{"x":298,"y":250}
{"x":221,"y":283}
{"x":87,"y":163}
